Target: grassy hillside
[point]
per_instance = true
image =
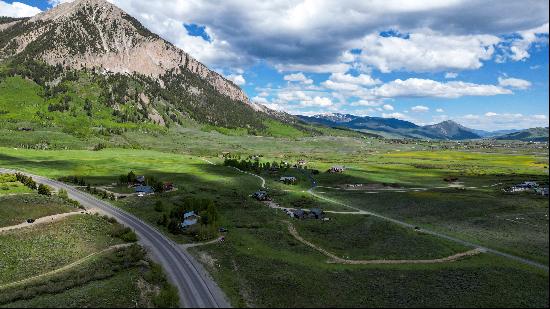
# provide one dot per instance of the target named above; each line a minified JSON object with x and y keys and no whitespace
{"x":529,"y":135}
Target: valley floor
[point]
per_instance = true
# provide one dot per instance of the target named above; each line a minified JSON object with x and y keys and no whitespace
{"x":259,"y":259}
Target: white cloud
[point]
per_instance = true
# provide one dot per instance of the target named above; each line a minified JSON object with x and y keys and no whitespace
{"x":317,"y":101}
{"x":426,"y":52}
{"x":519,"y":48}
{"x":260,"y":100}
{"x":515,"y":83}
{"x":298,"y":77}
{"x":361,"y":79}
{"x":451,"y":75}
{"x":420,"y":109}
{"x":238,"y":79}
{"x":314,"y":36}
{"x":395,"y":115}
{"x":501,"y":121}
{"x":416,"y":87}
{"x":17,"y":9}
{"x":388,"y":107}
{"x":440,"y":110}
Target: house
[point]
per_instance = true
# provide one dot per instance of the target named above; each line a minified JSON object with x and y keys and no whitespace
{"x":288,"y":180}
{"x":542,"y":191}
{"x":189,"y":218}
{"x":316,"y":213}
{"x":337,"y":169}
{"x":530,"y":184}
{"x":261,"y":196}
{"x":298,"y":214}
{"x":168,"y":186}
{"x":144,"y":189}
{"x":140,"y":179}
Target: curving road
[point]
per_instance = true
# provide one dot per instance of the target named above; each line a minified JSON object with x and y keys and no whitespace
{"x":196,"y":288}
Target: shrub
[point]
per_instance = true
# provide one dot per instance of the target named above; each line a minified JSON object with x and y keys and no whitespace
{"x":159,"y":207}
{"x":44,"y":190}
{"x":167,"y":298}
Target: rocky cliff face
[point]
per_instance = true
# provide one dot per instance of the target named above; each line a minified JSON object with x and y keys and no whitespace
{"x":97,"y":34}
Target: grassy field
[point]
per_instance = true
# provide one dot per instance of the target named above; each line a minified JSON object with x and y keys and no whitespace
{"x":10,"y":185}
{"x":15,"y":209}
{"x":39,"y":249}
{"x":258,"y":240}
{"x":363,"y":237}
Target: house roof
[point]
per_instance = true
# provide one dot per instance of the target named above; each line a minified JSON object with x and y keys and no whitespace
{"x":144,"y":189}
{"x":188,"y":214}
{"x":316,"y":210}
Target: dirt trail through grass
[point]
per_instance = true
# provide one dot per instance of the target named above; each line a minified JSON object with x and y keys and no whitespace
{"x":47,"y":219}
{"x":64,"y":268}
{"x":337,"y":260}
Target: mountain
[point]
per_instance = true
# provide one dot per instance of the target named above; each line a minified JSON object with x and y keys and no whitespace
{"x":137,"y":76}
{"x":528,"y":135}
{"x":488,"y":134}
{"x":451,"y":130}
{"x":394,"y":127}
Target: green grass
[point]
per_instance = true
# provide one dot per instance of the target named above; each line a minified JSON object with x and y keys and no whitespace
{"x":121,"y":278}
{"x":45,"y":247}
{"x":119,"y":291}
{"x":487,"y":218}
{"x":367,"y":238}
{"x":258,"y":241}
{"x":10,"y":185}
{"x":16,"y":209}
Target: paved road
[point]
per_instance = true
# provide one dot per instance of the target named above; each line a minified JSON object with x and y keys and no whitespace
{"x":196,"y":288}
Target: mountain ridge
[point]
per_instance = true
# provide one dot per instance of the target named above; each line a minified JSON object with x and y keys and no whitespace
{"x":448,"y":129}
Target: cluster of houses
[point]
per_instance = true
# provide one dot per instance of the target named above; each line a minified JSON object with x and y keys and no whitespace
{"x":302,"y":214}
{"x":142,"y":189}
{"x":532,"y":186}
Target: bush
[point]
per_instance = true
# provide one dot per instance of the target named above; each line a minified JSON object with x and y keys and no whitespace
{"x":44,"y":190}
{"x":159,"y":207}
{"x":167,"y":298}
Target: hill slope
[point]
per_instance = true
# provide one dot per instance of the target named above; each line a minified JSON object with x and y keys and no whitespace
{"x":136,"y":76}
{"x":533,"y":134}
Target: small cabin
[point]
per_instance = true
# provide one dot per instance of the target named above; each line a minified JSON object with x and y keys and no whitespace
{"x":337,"y":169}
{"x":289,"y":180}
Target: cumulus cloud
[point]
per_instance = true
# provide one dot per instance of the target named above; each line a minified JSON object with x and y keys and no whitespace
{"x":515,"y":83}
{"x":416,"y":87}
{"x":298,"y":77}
{"x":519,"y":49}
{"x":17,"y":9}
{"x":502,"y":121}
{"x":388,"y":107}
{"x":314,"y":36}
{"x":420,"y":109}
{"x":422,"y":52}
{"x":451,"y":75}
{"x":440,"y":110}
{"x":238,"y":79}
{"x":395,"y":115}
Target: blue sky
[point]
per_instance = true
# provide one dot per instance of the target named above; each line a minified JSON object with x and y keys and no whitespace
{"x":481,"y":63}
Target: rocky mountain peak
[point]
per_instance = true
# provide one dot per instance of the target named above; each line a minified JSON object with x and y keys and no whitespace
{"x":98,"y":34}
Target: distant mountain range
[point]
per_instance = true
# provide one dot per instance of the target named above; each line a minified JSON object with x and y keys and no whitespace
{"x":396,"y":128}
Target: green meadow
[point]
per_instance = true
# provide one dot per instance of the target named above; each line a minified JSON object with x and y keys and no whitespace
{"x":408,"y":185}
